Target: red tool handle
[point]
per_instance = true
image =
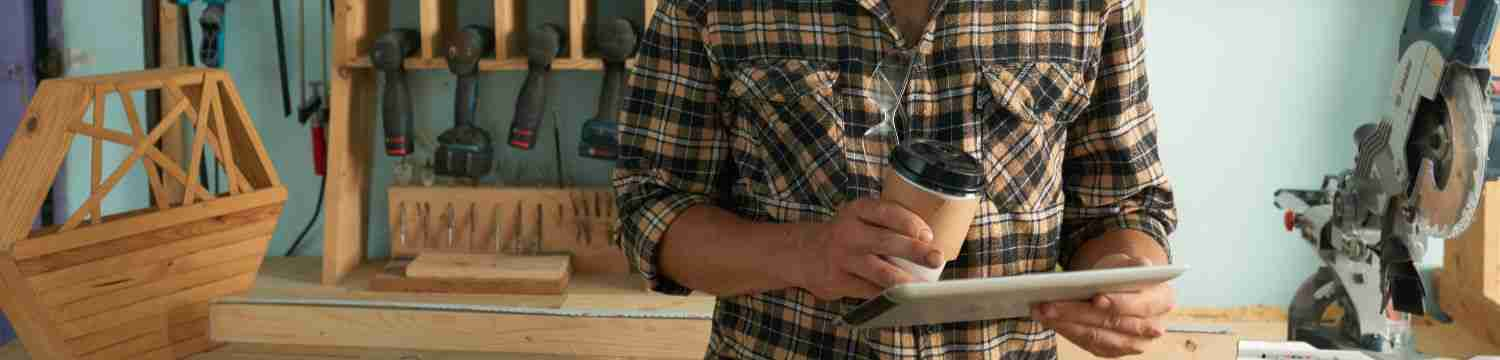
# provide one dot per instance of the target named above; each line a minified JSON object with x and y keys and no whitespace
{"x":319,"y":148}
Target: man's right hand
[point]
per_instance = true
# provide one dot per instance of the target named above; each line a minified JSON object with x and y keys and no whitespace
{"x":843,"y":258}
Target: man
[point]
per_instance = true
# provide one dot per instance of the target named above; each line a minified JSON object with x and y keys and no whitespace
{"x":752,"y":145}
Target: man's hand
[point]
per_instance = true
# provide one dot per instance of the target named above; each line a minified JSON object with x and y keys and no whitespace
{"x":1114,"y":324}
{"x":842,"y":258}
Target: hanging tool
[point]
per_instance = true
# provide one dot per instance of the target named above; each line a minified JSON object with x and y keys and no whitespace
{"x":617,"y":40}
{"x":389,"y":55}
{"x":544,"y":43}
{"x":465,"y":151}
{"x":212,"y":20}
{"x":1417,"y":175}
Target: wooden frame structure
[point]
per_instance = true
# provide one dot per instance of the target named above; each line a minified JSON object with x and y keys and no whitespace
{"x":353,"y":106}
{"x":135,"y":284}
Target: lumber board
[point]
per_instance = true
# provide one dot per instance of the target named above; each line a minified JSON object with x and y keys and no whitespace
{"x":40,"y":142}
{"x":300,"y":277}
{"x":153,"y":256}
{"x":578,"y":17}
{"x":1171,"y":346}
{"x":182,"y":349}
{"x":180,"y":324}
{"x":246,"y":264}
{"x":508,"y":18}
{"x":440,"y":278}
{"x":194,"y":265}
{"x":1468,"y":307}
{"x":96,"y":169}
{"x":146,"y":79}
{"x":438,"y":24}
{"x":217,"y":289}
{"x":545,"y":268}
{"x":33,"y":323}
{"x":350,"y":133}
{"x":169,"y":44}
{"x":458,"y":331}
{"x":94,"y":234}
{"x":201,"y":133}
{"x":147,"y":342}
{"x":136,"y":242}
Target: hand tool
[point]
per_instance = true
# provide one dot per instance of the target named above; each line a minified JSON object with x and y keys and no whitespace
{"x":450,"y":226}
{"x":1417,"y":175}
{"x":388,"y":55}
{"x":617,"y":40}
{"x":544,"y":43}
{"x":401,"y":223}
{"x":495,"y":232}
{"x":465,"y":151}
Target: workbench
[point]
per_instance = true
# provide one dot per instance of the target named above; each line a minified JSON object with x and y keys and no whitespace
{"x":311,"y":330}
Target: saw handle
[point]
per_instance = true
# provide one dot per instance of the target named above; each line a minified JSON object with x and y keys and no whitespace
{"x":544,"y":44}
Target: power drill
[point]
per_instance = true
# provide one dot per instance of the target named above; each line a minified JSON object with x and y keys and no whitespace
{"x":617,"y":41}
{"x":465,"y":151}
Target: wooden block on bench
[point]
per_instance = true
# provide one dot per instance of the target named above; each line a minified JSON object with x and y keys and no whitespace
{"x":477,"y":274}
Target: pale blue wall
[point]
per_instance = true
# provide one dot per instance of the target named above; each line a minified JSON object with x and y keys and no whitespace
{"x":1252,"y":96}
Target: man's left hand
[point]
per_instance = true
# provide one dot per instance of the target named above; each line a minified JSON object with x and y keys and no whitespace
{"x":1113,"y":324}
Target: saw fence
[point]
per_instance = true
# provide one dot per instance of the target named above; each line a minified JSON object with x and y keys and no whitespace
{"x":136,"y":284}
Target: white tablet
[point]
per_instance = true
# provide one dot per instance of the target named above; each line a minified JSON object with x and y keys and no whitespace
{"x":997,"y":298}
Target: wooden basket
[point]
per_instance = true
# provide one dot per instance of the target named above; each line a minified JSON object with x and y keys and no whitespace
{"x":137,"y":284}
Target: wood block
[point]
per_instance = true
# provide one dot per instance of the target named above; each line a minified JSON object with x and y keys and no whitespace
{"x":1469,"y":308}
{"x":459,"y":331}
{"x":552,"y":280}
{"x":544,"y":268}
{"x":1469,"y":285}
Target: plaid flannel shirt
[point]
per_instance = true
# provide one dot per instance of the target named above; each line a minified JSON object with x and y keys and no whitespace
{"x":763,"y":108}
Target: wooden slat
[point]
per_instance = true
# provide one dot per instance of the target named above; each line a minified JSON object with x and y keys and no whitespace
{"x":139,"y":275}
{"x":33,"y":323}
{"x":96,"y":161}
{"x":150,"y":341}
{"x":487,"y":266}
{"x":113,"y":136}
{"x":300,"y":278}
{"x":201,"y":132}
{"x":137,"y":242}
{"x":40,"y":142}
{"x":459,"y":331}
{"x":91,"y":235}
{"x":153,"y":177}
{"x":439,"y":21}
{"x":470,"y":281}
{"x":352,"y":101}
{"x":100,"y":190}
{"x":226,"y":287}
{"x":247,"y":262}
{"x":171,"y":168}
{"x":222,"y":148}
{"x":180,"y":75}
{"x":505,"y":29}
{"x":577,"y":27}
{"x":110,"y":269}
{"x":255,"y":167}
{"x":169,"y":50}
{"x":183,"y":319}
{"x":182,"y":349}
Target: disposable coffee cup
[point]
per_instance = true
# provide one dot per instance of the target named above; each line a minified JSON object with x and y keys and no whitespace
{"x":940,"y":183}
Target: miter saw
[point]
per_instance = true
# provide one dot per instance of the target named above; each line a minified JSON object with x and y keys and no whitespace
{"x":1417,"y":175}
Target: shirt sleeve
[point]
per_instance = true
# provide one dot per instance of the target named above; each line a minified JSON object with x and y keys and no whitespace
{"x":672,"y":147}
{"x":1112,"y":176}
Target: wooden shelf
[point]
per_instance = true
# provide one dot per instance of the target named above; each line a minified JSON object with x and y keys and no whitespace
{"x":511,"y":64}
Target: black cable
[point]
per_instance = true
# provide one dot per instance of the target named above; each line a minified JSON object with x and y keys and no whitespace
{"x":317,"y":210}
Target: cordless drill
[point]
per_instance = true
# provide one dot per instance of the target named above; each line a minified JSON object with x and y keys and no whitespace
{"x":465,"y":151}
{"x":617,"y":40}
{"x":544,"y":43}
{"x":388,"y":55}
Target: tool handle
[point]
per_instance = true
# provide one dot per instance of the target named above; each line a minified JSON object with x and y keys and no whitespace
{"x":544,"y":44}
{"x":612,"y":94}
{"x":467,"y":103}
{"x":1474,"y":32}
{"x":396,"y":111}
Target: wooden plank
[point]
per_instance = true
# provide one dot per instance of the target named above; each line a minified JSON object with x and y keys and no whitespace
{"x":35,"y":152}
{"x":1468,"y":307}
{"x":139,"y":275}
{"x":459,"y":331}
{"x":90,"y":235}
{"x":578,"y":17}
{"x":352,"y":96}
{"x":201,"y":133}
{"x":35,"y":326}
{"x":245,"y":139}
{"x":300,"y":278}
{"x":223,"y":148}
{"x":135,"y":79}
{"x":132,"y":243}
{"x":485,"y":266}
{"x":107,"y":337}
{"x":114,"y":265}
{"x":96,"y":161}
{"x":150,"y":341}
{"x":438,"y":24}
{"x":169,"y":53}
{"x":171,"y":284}
{"x":136,"y":311}
{"x":183,"y":349}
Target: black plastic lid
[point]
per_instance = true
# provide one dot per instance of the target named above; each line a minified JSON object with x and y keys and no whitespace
{"x":938,"y":166}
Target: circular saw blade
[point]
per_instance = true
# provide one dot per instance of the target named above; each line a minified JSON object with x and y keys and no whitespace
{"x":1446,"y":185}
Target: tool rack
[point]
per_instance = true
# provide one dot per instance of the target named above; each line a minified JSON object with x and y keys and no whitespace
{"x":353,"y":100}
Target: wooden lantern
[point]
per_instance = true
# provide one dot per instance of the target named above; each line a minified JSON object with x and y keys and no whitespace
{"x":137,"y":284}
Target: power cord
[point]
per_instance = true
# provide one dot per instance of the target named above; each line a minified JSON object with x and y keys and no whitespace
{"x":317,"y":210}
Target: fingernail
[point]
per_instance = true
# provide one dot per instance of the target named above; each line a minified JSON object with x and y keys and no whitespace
{"x":1101,"y":302}
{"x":925,"y":235}
{"x":934,"y":259}
{"x":1156,"y":331}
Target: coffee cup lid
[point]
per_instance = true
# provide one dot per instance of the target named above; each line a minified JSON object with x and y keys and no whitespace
{"x":938,"y":166}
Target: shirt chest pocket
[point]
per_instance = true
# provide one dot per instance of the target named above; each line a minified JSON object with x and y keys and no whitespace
{"x":1026,"y":109}
{"x":788,"y":136}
